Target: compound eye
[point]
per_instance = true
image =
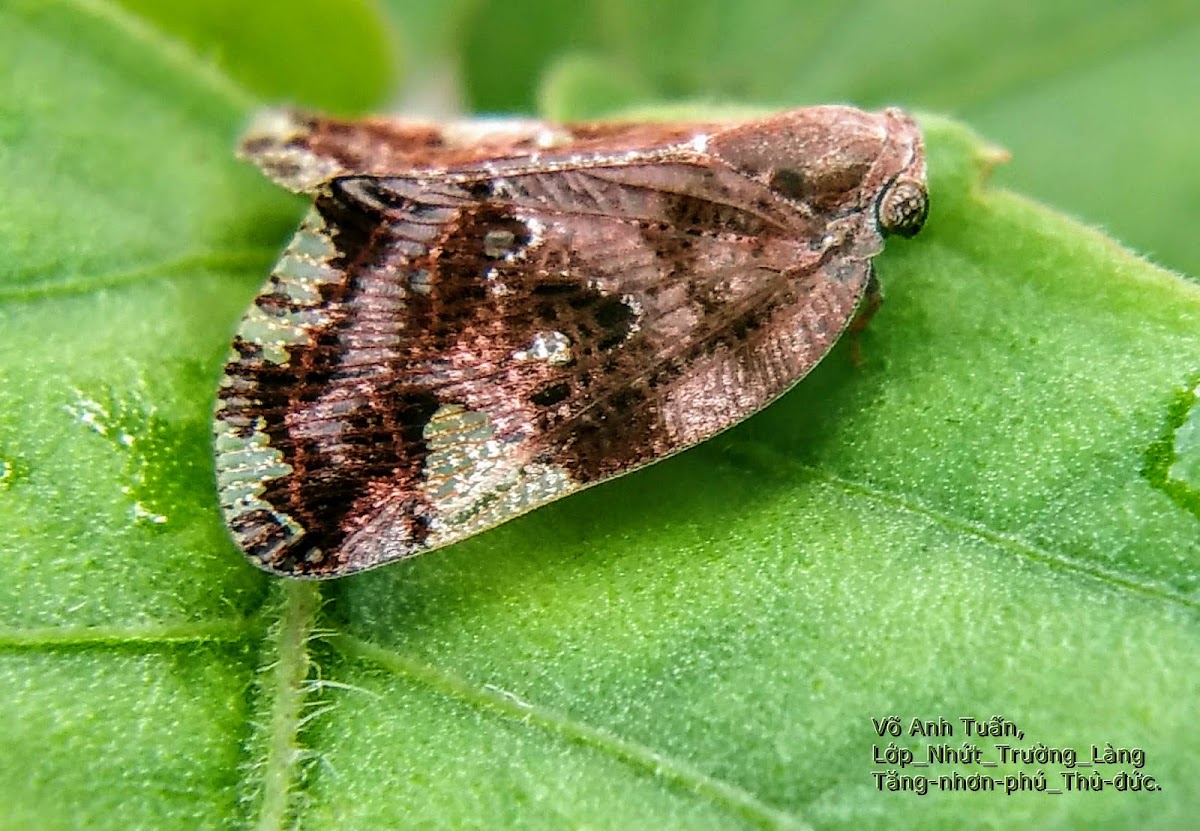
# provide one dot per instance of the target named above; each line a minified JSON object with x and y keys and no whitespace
{"x":902,"y":208}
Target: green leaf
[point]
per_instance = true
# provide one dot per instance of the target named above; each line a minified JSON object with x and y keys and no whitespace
{"x":992,"y":515}
{"x":260,"y":46}
{"x":1185,"y":467}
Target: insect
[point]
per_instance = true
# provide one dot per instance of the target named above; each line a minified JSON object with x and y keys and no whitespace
{"x":477,"y":318}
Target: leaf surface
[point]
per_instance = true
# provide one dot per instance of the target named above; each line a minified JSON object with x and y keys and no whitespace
{"x":996,"y":513}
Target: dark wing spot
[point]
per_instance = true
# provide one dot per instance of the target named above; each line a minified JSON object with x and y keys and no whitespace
{"x":615,"y":319}
{"x":822,"y":184}
{"x":552,"y":394}
{"x":788,"y":182}
{"x":480,"y":190}
{"x":247,"y":350}
{"x":355,"y":222}
{"x":550,"y":288}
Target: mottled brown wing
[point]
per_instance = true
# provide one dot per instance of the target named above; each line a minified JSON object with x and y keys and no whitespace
{"x":302,"y":152}
{"x":436,"y":354}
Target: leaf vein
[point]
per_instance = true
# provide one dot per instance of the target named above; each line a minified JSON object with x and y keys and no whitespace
{"x":169,"y":49}
{"x":676,"y":771}
{"x":287,"y":687}
{"x":1009,"y":542}
{"x":84,"y":284}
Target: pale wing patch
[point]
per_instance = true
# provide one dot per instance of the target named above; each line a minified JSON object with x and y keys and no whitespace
{"x":244,"y":465}
{"x":245,"y":460}
{"x":275,"y":141}
{"x":477,"y":480}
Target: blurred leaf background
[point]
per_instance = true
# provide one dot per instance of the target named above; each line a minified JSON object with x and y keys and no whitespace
{"x":996,"y":514}
{"x":1096,"y":100}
